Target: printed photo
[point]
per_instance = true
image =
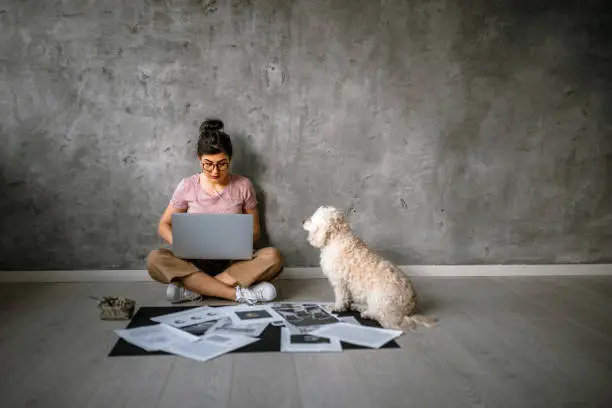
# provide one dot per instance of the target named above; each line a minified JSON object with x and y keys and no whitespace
{"x":304,"y":314}
{"x":226,"y":325}
{"x":243,"y":315}
{"x":253,"y":314}
{"x":308,"y":339}
{"x":189,"y":317}
{"x":200,"y":329}
{"x":218,"y":339}
{"x":294,"y":340}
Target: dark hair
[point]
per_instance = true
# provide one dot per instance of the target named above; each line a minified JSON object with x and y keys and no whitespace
{"x":213,"y":140}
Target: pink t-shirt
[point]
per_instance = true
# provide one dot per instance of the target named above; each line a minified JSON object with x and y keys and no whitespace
{"x":237,"y":197}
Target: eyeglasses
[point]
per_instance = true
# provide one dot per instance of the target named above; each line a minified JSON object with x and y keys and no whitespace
{"x":209,"y":166}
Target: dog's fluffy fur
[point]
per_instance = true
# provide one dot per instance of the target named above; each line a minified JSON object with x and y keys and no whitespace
{"x":362,"y":280}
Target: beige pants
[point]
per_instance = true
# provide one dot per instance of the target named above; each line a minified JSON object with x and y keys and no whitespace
{"x":265,"y":265}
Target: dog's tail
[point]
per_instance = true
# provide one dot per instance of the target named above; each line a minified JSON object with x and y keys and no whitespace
{"x":413,"y":321}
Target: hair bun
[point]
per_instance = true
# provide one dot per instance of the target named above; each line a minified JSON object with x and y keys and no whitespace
{"x":211,"y":124}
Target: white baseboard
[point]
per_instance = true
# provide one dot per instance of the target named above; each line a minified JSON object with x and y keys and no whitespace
{"x":314,"y":273}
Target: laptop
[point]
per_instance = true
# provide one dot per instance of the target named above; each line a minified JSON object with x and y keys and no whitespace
{"x":212,"y":236}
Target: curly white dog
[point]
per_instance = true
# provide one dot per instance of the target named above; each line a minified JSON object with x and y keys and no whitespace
{"x":362,"y":280}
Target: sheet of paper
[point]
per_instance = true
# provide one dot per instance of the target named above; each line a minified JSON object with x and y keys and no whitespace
{"x":253,"y":314}
{"x":350,"y":319}
{"x":200,"y":329}
{"x":190,"y":317}
{"x":211,"y":346}
{"x":294,"y":340}
{"x":360,"y":335}
{"x":227,"y":325}
{"x":155,"y":337}
{"x":304,"y":314}
{"x":302,"y":329}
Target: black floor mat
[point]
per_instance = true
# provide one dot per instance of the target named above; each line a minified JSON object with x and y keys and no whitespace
{"x":269,"y":339}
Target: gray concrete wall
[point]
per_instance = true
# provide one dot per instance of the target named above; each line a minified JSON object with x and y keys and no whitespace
{"x":453,"y":133}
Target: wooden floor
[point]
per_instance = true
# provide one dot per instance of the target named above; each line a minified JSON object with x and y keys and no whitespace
{"x":502,"y":342}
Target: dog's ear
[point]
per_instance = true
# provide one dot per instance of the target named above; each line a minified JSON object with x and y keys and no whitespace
{"x":337,"y":223}
{"x":327,"y":236}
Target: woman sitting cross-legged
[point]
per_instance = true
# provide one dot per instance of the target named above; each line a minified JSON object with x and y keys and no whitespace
{"x":214,"y":190}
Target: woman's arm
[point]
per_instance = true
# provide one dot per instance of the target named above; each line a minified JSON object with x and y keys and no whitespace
{"x":165,"y":223}
{"x":256,"y":227}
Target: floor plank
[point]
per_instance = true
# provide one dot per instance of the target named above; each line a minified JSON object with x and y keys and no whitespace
{"x":192,"y":384}
{"x":576,"y":303}
{"x":262,"y":380}
{"x":57,"y":356}
{"x":601,"y":285}
{"x":503,"y":345}
{"x":430,"y":369}
{"x":331,"y":380}
{"x":581,"y":358}
{"x":572,"y":302}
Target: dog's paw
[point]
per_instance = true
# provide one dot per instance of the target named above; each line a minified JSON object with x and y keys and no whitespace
{"x":337,"y":308}
{"x":365,"y":315}
{"x":358,"y":307}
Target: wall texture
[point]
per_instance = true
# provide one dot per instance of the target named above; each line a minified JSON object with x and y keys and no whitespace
{"x":453,"y":132}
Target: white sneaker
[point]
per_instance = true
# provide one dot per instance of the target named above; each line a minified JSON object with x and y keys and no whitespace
{"x":176,"y":293}
{"x":261,"y":292}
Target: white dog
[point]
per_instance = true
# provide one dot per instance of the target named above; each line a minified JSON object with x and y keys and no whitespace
{"x":361,"y":279}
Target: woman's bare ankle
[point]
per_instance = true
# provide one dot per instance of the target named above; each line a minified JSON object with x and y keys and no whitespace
{"x":209,"y":286}
{"x":227,"y":279}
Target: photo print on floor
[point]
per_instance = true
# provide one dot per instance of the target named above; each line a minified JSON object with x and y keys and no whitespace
{"x":304,"y":315}
{"x":252,"y":314}
{"x":226,"y":325}
{"x":200,"y":329}
{"x":293,"y":339}
{"x":190,"y":317}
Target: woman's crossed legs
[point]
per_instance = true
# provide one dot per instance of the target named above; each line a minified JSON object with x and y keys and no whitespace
{"x":235,"y":282}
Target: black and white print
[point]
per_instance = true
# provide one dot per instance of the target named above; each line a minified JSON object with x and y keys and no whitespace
{"x":294,"y":340}
{"x":226,"y":325}
{"x":308,"y":339}
{"x":211,"y":346}
{"x":253,"y":314}
{"x":190,"y":317}
{"x":304,"y":315}
{"x":200,"y":329}
{"x":155,"y":337}
{"x":218,"y":339}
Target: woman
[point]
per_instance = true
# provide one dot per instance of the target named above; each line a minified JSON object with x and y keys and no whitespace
{"x":214,"y":190}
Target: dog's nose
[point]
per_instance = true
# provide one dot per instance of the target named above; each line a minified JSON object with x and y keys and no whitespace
{"x":304,"y":222}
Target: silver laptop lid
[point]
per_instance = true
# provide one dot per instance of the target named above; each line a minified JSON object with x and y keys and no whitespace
{"x":212,"y":236}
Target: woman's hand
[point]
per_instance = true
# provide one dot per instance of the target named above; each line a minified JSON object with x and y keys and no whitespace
{"x":256,"y":227}
{"x":165,"y":223}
